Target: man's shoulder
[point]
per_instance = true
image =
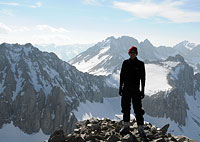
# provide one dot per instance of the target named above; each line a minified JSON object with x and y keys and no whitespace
{"x":139,"y":61}
{"x":125,"y":61}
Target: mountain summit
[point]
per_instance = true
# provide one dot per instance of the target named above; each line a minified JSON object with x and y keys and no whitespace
{"x":96,"y":130}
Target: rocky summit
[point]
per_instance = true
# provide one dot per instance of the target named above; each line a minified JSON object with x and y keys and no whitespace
{"x":95,"y":130}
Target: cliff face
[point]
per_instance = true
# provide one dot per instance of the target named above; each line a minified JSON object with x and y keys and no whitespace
{"x":173,"y":104}
{"x":39,"y":91}
{"x":106,"y":130}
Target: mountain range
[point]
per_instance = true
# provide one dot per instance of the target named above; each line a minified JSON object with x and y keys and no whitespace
{"x":107,"y":55}
{"x":40,"y":93}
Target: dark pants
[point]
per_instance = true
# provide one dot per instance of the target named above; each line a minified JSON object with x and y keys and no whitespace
{"x":137,"y":107}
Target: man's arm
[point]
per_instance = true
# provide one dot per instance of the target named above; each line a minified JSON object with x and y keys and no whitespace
{"x":122,"y":77}
{"x":143,"y":78}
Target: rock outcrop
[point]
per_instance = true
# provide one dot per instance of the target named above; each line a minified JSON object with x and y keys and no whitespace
{"x":106,"y":130}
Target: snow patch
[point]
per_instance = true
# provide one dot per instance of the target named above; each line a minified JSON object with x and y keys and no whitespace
{"x":19,"y":81}
{"x":104,"y":50}
{"x":192,"y":127}
{"x":176,"y":71}
{"x":156,"y":79}
{"x":34,"y":71}
{"x":52,"y":115}
{"x":95,"y":88}
{"x":86,"y":66}
{"x":27,"y":50}
{"x":113,"y":80}
{"x":2,"y":81}
{"x":107,"y":109}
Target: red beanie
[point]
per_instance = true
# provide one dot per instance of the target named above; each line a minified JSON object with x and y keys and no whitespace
{"x":133,"y":48}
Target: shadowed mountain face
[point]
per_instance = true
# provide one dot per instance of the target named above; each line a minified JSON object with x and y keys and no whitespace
{"x":39,"y":91}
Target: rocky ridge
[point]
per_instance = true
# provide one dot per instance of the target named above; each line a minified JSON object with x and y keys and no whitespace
{"x":95,"y":130}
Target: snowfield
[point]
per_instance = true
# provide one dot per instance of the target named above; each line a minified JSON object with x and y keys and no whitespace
{"x":156,"y":77}
{"x":107,"y":109}
{"x":111,"y":108}
{"x":86,"y":66}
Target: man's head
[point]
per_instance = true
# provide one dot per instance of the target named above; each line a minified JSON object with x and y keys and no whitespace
{"x":132,"y":52}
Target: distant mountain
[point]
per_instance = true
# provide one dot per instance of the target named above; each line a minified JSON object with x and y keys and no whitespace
{"x":104,"y":57}
{"x":64,"y":52}
{"x":38,"y":91}
{"x":184,"y":47}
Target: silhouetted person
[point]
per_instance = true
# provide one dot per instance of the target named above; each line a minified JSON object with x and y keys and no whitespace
{"x":132,"y":73}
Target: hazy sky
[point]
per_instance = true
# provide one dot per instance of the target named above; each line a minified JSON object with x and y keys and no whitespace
{"x":163,"y":22}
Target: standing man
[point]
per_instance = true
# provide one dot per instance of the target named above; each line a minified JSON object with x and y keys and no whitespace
{"x":132,"y":73}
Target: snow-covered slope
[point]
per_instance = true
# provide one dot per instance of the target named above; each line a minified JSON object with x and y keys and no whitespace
{"x":184,"y":47}
{"x":104,"y":57}
{"x":111,"y":108}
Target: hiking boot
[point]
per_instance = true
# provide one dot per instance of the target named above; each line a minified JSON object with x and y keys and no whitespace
{"x":141,"y":132}
{"x":124,"y":130}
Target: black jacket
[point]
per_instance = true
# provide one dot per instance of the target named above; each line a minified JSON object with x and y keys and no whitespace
{"x":132,"y":72}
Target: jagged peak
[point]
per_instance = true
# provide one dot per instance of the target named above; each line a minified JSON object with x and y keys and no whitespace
{"x":146,"y":42}
{"x":8,"y":44}
{"x":28,"y":45}
{"x":185,"y":44}
{"x":16,"y":45}
{"x":126,"y":37}
{"x":110,"y":38}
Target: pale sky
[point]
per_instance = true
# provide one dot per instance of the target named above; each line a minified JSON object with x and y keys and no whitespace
{"x":163,"y":22}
